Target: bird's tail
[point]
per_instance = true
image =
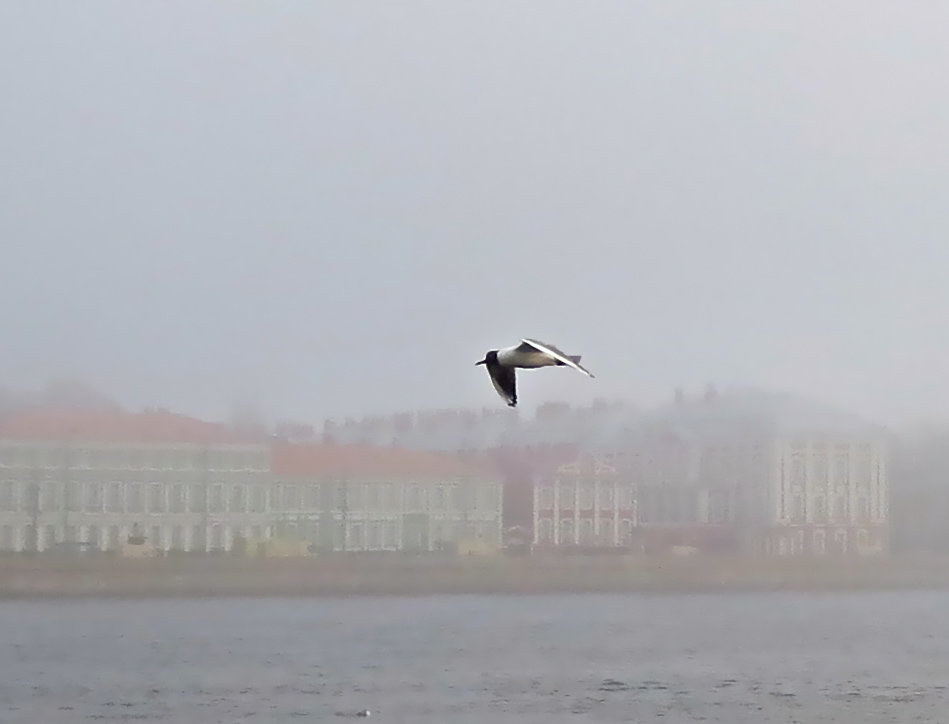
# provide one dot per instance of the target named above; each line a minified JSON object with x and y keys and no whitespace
{"x":575,"y":358}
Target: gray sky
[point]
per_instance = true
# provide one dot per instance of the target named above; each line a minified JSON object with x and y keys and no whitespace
{"x":337,"y":207}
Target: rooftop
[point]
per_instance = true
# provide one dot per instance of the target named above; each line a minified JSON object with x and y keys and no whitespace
{"x":342,"y":460}
{"x":113,"y":426}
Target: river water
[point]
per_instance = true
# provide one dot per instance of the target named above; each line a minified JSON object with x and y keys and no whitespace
{"x":860,"y":658}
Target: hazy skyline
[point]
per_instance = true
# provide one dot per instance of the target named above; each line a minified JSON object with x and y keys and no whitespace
{"x":335,"y":209}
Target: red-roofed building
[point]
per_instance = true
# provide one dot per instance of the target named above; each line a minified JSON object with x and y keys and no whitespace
{"x":95,"y":477}
{"x":362,"y":498}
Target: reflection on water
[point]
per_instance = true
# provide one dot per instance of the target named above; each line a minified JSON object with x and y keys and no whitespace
{"x":715,"y":658}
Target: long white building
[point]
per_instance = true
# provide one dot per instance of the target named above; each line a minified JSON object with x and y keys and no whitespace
{"x":96,"y":479}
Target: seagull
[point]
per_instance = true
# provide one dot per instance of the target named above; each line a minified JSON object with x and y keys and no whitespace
{"x":529,"y":354}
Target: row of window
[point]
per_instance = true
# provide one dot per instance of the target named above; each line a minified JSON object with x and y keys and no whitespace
{"x":21,"y":456}
{"x":338,"y":535}
{"x":570,"y":495}
{"x":798,"y":543}
{"x":651,"y":505}
{"x":111,"y":537}
{"x":136,"y":497}
{"x":603,"y":532}
{"x":819,"y":512}
{"x":864,"y":473}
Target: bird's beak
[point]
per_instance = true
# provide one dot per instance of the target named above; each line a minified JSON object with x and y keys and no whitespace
{"x":479,"y":363}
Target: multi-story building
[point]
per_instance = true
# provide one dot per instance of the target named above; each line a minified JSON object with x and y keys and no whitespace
{"x":361,"y":498}
{"x":98,"y":478}
{"x":590,"y":502}
{"x":95,"y":478}
{"x":745,"y":471}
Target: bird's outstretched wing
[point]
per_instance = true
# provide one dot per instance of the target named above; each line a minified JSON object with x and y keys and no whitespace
{"x":569,"y":360}
{"x":505,"y":383}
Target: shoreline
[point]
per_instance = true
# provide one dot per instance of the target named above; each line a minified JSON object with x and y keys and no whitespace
{"x":69,"y":578}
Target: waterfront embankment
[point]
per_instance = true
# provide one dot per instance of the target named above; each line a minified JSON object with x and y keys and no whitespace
{"x":45,"y":576}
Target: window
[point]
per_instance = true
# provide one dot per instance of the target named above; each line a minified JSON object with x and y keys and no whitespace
{"x":606,"y":532}
{"x":820,"y":542}
{"x":198,"y":538}
{"x":217,"y":537}
{"x":176,"y":498}
{"x":6,"y":538}
{"x":112,"y":542}
{"x":586,"y":497}
{"x":840,"y":509}
{"x":196,"y":496}
{"x":92,"y":536}
{"x":49,"y":536}
{"x":414,"y":498}
{"x":820,"y":469}
{"x":797,"y":471}
{"x":238,"y":503}
{"x":357,"y":496}
{"x":292,"y":498}
{"x":545,"y":497}
{"x":644,"y":505}
{"x":260,"y":499}
{"x":51,"y":495}
{"x":841,"y":469}
{"x":626,"y":532}
{"x":216,"y":503}
{"x":114,"y":498}
{"x":391,"y":495}
{"x":156,"y":498}
{"x":606,"y":496}
{"x":374,"y":496}
{"x":94,"y":497}
{"x":390,"y":534}
{"x":863,"y":509}
{"x":375,"y":535}
{"x":8,"y":495}
{"x":586,"y":532}
{"x":625,"y":495}
{"x":156,"y":537}
{"x":566,"y":532}
{"x":840,"y":540}
{"x":177,"y":538}
{"x":566,"y":496}
{"x":545,"y":531}
{"x":798,"y":509}
{"x":136,"y":500}
{"x":313,"y":497}
{"x":439,"y":498}
{"x":820,"y":509}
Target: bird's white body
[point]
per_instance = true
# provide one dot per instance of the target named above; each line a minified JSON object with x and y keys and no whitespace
{"x":531,"y":354}
{"x":515,"y":356}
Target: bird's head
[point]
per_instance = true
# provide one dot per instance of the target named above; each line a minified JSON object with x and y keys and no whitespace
{"x":490,"y":357}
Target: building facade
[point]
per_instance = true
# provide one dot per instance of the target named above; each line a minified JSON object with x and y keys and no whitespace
{"x":95,"y":480}
{"x":358,"y":498}
{"x":750,"y":473}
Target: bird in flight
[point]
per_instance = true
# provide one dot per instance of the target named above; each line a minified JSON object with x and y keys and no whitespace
{"x":529,"y":354}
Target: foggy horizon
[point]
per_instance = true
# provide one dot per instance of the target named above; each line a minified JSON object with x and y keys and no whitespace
{"x":335,"y":210}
